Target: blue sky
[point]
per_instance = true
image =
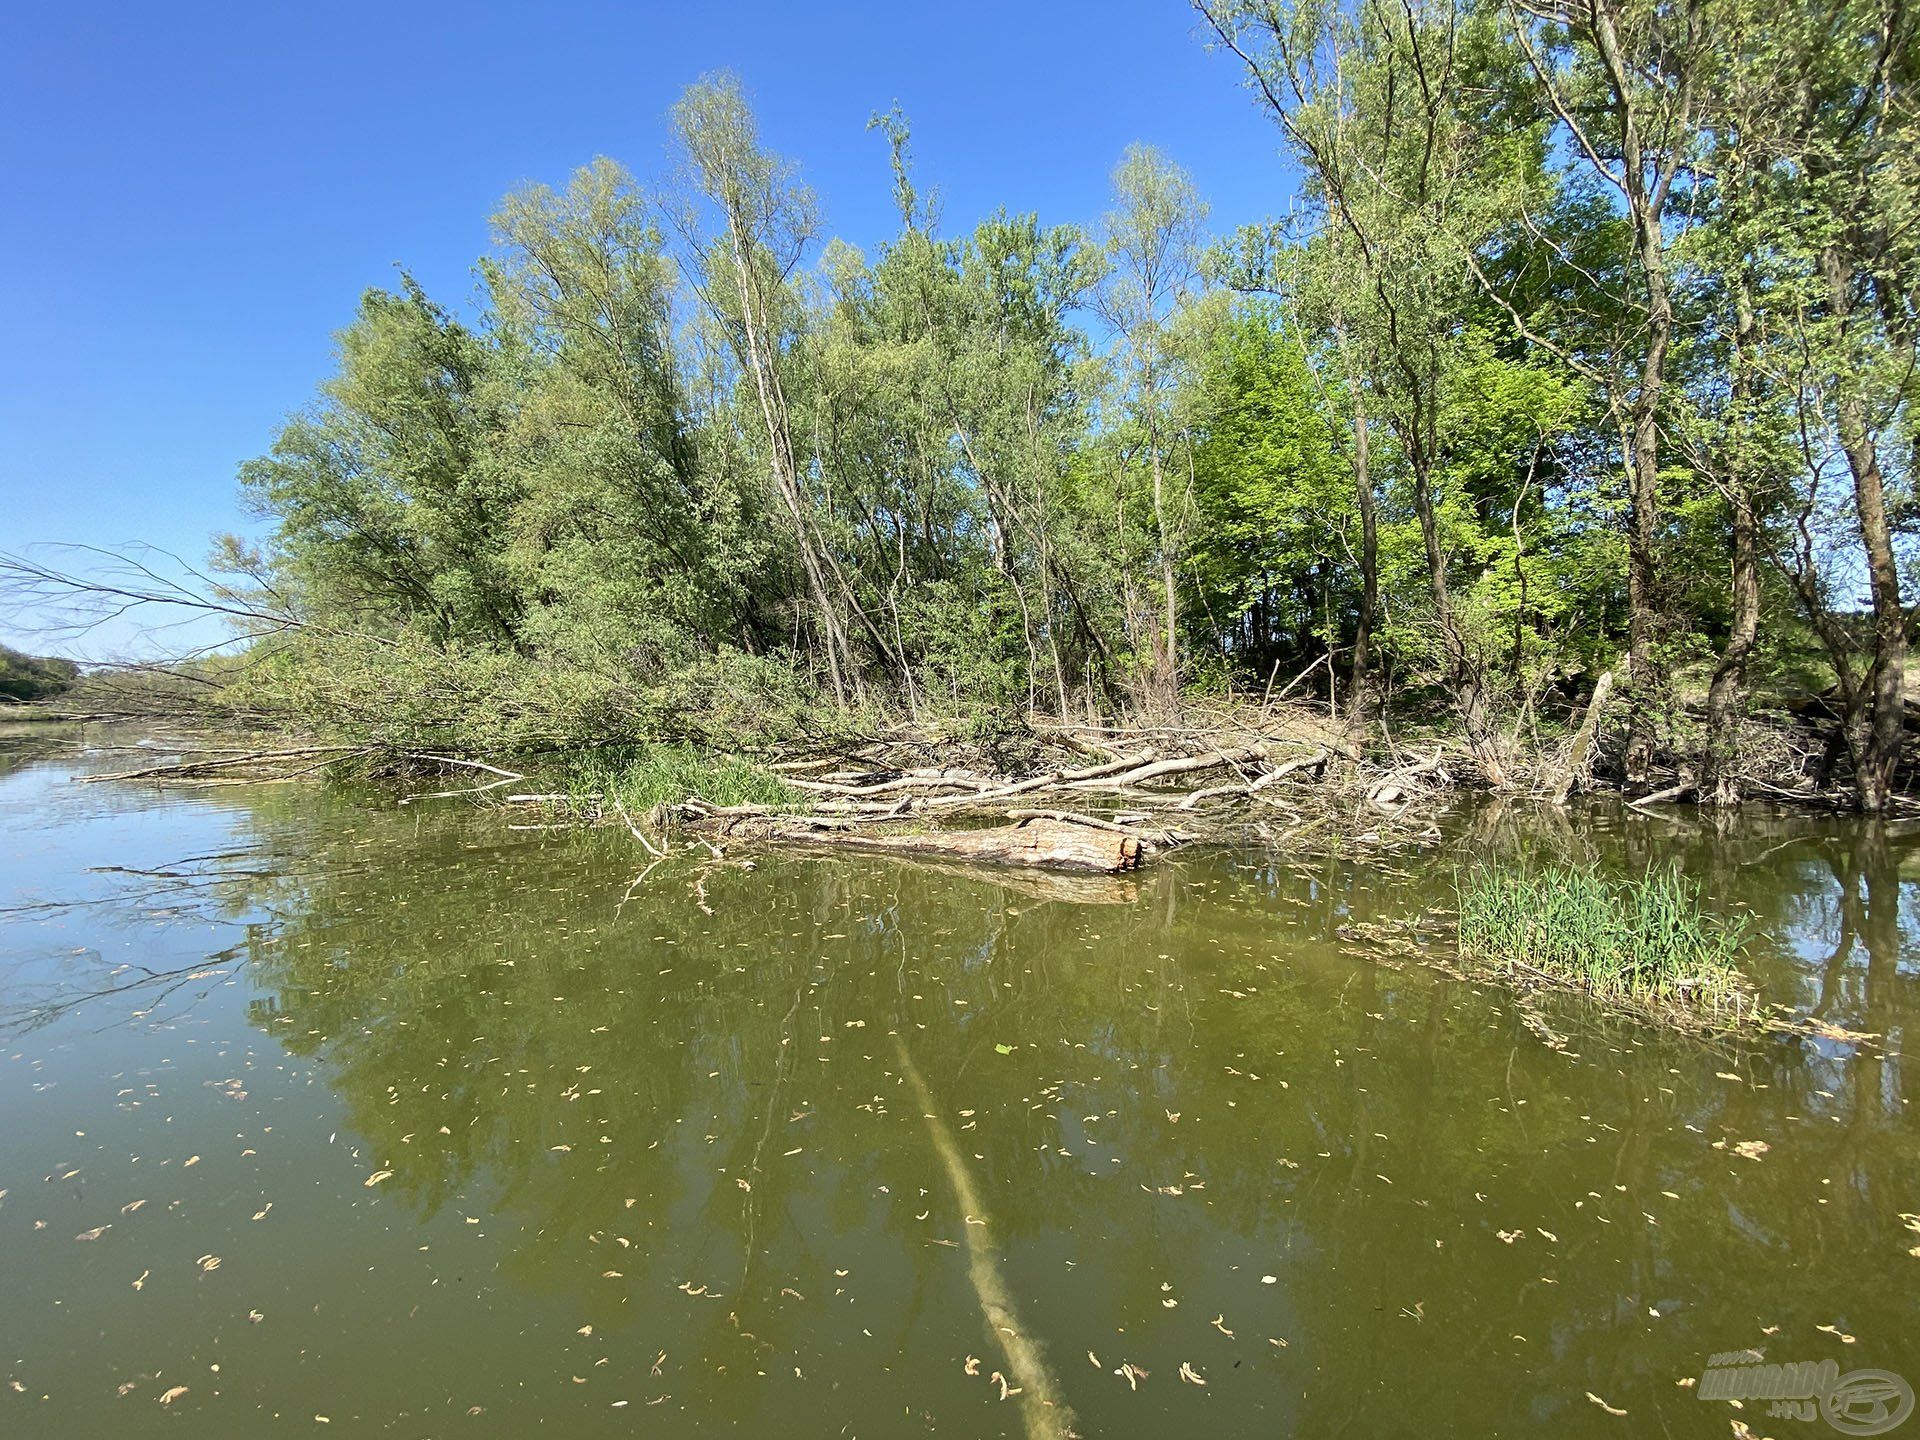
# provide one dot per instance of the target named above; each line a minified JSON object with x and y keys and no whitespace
{"x":195,"y":195}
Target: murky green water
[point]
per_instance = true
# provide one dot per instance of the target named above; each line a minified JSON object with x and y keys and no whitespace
{"x":322,"y":1107}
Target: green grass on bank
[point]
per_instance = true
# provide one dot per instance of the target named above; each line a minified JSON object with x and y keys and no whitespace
{"x":649,"y":775}
{"x":1641,"y":940}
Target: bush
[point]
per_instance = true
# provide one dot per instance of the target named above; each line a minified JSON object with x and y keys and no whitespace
{"x":412,"y":694}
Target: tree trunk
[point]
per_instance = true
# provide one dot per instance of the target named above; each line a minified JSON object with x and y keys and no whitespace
{"x":1578,"y":766}
{"x":759,"y":357}
{"x":1464,"y":679}
{"x":1357,"y":691}
{"x":1643,"y":500}
{"x":1169,"y":656}
{"x":1878,"y":755}
{"x":1726,"y":697}
{"x":1644,"y":206}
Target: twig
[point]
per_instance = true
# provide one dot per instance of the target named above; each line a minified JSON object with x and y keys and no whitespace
{"x":652,"y":849}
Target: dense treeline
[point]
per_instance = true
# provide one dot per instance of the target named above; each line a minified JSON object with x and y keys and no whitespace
{"x":1588,"y":340}
{"x":34,"y":677}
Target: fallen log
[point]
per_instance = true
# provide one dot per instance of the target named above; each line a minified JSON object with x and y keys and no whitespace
{"x":508,"y":777}
{"x":915,"y":780}
{"x":981,"y":793}
{"x":1253,"y":787}
{"x":1181,"y":765}
{"x":1041,"y":844}
{"x":190,"y":769}
{"x":1660,"y":797}
{"x":1396,"y":787}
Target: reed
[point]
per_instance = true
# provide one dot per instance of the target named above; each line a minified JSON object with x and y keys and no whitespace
{"x":1643,"y":940}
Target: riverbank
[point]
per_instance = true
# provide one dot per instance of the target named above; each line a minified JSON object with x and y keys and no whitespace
{"x":1273,"y":774}
{"x":1083,"y":798}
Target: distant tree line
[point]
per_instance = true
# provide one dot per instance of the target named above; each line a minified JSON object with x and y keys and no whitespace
{"x":1587,"y":341}
{"x":30,"y":677}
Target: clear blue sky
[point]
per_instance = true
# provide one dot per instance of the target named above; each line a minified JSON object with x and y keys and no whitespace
{"x":195,"y":195}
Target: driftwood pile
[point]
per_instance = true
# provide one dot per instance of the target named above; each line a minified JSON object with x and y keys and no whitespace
{"x":935,"y":810}
{"x":1107,"y":815}
{"x":1087,"y":798}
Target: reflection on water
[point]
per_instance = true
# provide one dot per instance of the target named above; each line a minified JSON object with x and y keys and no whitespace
{"x":401,"y":1118}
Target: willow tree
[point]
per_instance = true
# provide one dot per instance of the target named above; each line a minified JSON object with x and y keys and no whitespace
{"x":1626,"y":81}
{"x":1371,"y":101}
{"x":629,"y":544}
{"x":1736,"y":430}
{"x":766,"y":220}
{"x":1842,"y":156}
{"x":386,"y":514}
{"x":942,"y":408}
{"x":1012,"y":371}
{"x":1153,"y":247}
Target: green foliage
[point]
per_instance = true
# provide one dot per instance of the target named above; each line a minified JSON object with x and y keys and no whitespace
{"x":1643,"y":939}
{"x":1273,"y":496}
{"x":31,"y":677}
{"x":685,"y":474}
{"x":385,"y":512}
{"x":649,"y":775}
{"x":407,"y":693}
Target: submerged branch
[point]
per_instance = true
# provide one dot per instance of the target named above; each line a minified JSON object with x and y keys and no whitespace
{"x":1042,"y":1405}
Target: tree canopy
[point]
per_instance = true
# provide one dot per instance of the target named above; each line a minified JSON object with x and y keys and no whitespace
{"x":1588,"y":341}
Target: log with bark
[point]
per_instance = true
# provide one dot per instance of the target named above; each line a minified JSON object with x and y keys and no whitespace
{"x":1047,"y":844}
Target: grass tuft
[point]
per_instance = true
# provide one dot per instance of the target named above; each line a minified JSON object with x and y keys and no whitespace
{"x":1643,"y":940}
{"x":668,"y":774}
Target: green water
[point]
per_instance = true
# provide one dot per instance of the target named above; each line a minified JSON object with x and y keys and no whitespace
{"x":487,"y":1139}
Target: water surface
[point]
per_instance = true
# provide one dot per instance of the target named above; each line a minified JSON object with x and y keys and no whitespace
{"x":396,"y":1119}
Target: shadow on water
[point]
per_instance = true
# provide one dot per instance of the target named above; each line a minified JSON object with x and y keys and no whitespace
{"x":528,"y":1142}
